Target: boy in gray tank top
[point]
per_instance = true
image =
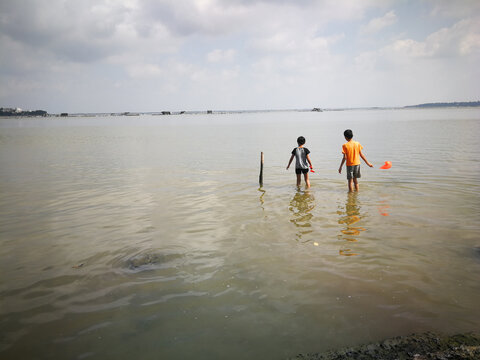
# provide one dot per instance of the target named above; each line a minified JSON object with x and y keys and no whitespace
{"x":302,"y":161}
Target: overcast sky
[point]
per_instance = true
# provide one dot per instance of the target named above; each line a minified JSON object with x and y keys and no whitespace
{"x":154,"y":55}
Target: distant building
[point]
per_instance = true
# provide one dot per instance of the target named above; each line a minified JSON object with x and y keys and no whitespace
{"x":20,"y":112}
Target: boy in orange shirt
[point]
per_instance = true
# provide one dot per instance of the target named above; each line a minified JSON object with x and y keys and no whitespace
{"x":352,"y":152}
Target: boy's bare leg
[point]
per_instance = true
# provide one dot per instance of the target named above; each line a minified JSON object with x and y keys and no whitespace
{"x":350,"y":185}
{"x":307,"y":180}
{"x":356,"y":183}
{"x":299,"y":179}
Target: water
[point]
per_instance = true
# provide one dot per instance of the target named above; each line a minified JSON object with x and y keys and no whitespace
{"x":150,"y":237}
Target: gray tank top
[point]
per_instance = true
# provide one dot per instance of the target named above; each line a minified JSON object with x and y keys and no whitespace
{"x":301,"y":157}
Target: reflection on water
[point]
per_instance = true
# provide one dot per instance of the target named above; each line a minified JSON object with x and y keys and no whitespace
{"x":350,"y":216}
{"x":301,"y":207}
{"x":261,"y":198}
{"x":383,"y":208}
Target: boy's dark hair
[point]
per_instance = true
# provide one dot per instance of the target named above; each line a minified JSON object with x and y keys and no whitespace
{"x":348,"y":134}
{"x":301,"y":140}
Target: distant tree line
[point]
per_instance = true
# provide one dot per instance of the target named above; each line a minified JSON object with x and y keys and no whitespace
{"x":18,"y":112}
{"x":444,"y":104}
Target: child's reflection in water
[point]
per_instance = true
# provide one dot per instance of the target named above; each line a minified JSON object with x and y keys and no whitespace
{"x":349,"y":217}
{"x":301,"y":207}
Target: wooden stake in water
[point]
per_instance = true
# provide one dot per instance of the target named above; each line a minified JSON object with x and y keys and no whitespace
{"x":260,"y":178}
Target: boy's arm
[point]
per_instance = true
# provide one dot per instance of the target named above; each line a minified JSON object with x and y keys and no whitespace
{"x":309,"y":161}
{"x":341,"y":164}
{"x":365,"y":159}
{"x":290,"y":161}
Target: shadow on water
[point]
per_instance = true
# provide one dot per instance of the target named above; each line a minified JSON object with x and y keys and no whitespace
{"x":301,"y":207}
{"x":350,"y":216}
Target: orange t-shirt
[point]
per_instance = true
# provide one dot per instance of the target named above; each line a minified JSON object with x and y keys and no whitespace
{"x":351,"y":150}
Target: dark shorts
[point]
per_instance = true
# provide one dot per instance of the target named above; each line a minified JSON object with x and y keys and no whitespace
{"x":353,"y":172}
{"x":301,"y":171}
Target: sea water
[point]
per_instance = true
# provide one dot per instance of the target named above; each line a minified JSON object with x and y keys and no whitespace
{"x":150,"y":237}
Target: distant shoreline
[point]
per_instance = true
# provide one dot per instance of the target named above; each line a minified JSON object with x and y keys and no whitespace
{"x":43,"y":113}
{"x":444,"y":104}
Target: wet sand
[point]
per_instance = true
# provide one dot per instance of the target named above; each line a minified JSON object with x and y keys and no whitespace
{"x":428,"y":346}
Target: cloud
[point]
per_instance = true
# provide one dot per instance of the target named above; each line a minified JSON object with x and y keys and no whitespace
{"x":257,"y":53}
{"x":93,"y":30}
{"x":145,"y":71}
{"x":219,"y":55}
{"x":70,"y":30}
{"x":378,"y":24}
{"x":217,"y":17}
{"x":438,"y":68}
{"x":460,"y":40}
{"x":186,"y":17}
{"x":454,"y":9}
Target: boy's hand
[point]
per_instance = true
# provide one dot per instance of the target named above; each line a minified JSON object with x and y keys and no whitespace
{"x":340,"y":170}
{"x":370,"y":165}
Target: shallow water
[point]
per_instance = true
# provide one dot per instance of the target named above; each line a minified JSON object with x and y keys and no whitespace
{"x":150,"y":237}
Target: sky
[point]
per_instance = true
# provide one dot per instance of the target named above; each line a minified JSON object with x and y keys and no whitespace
{"x":185,"y":55}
